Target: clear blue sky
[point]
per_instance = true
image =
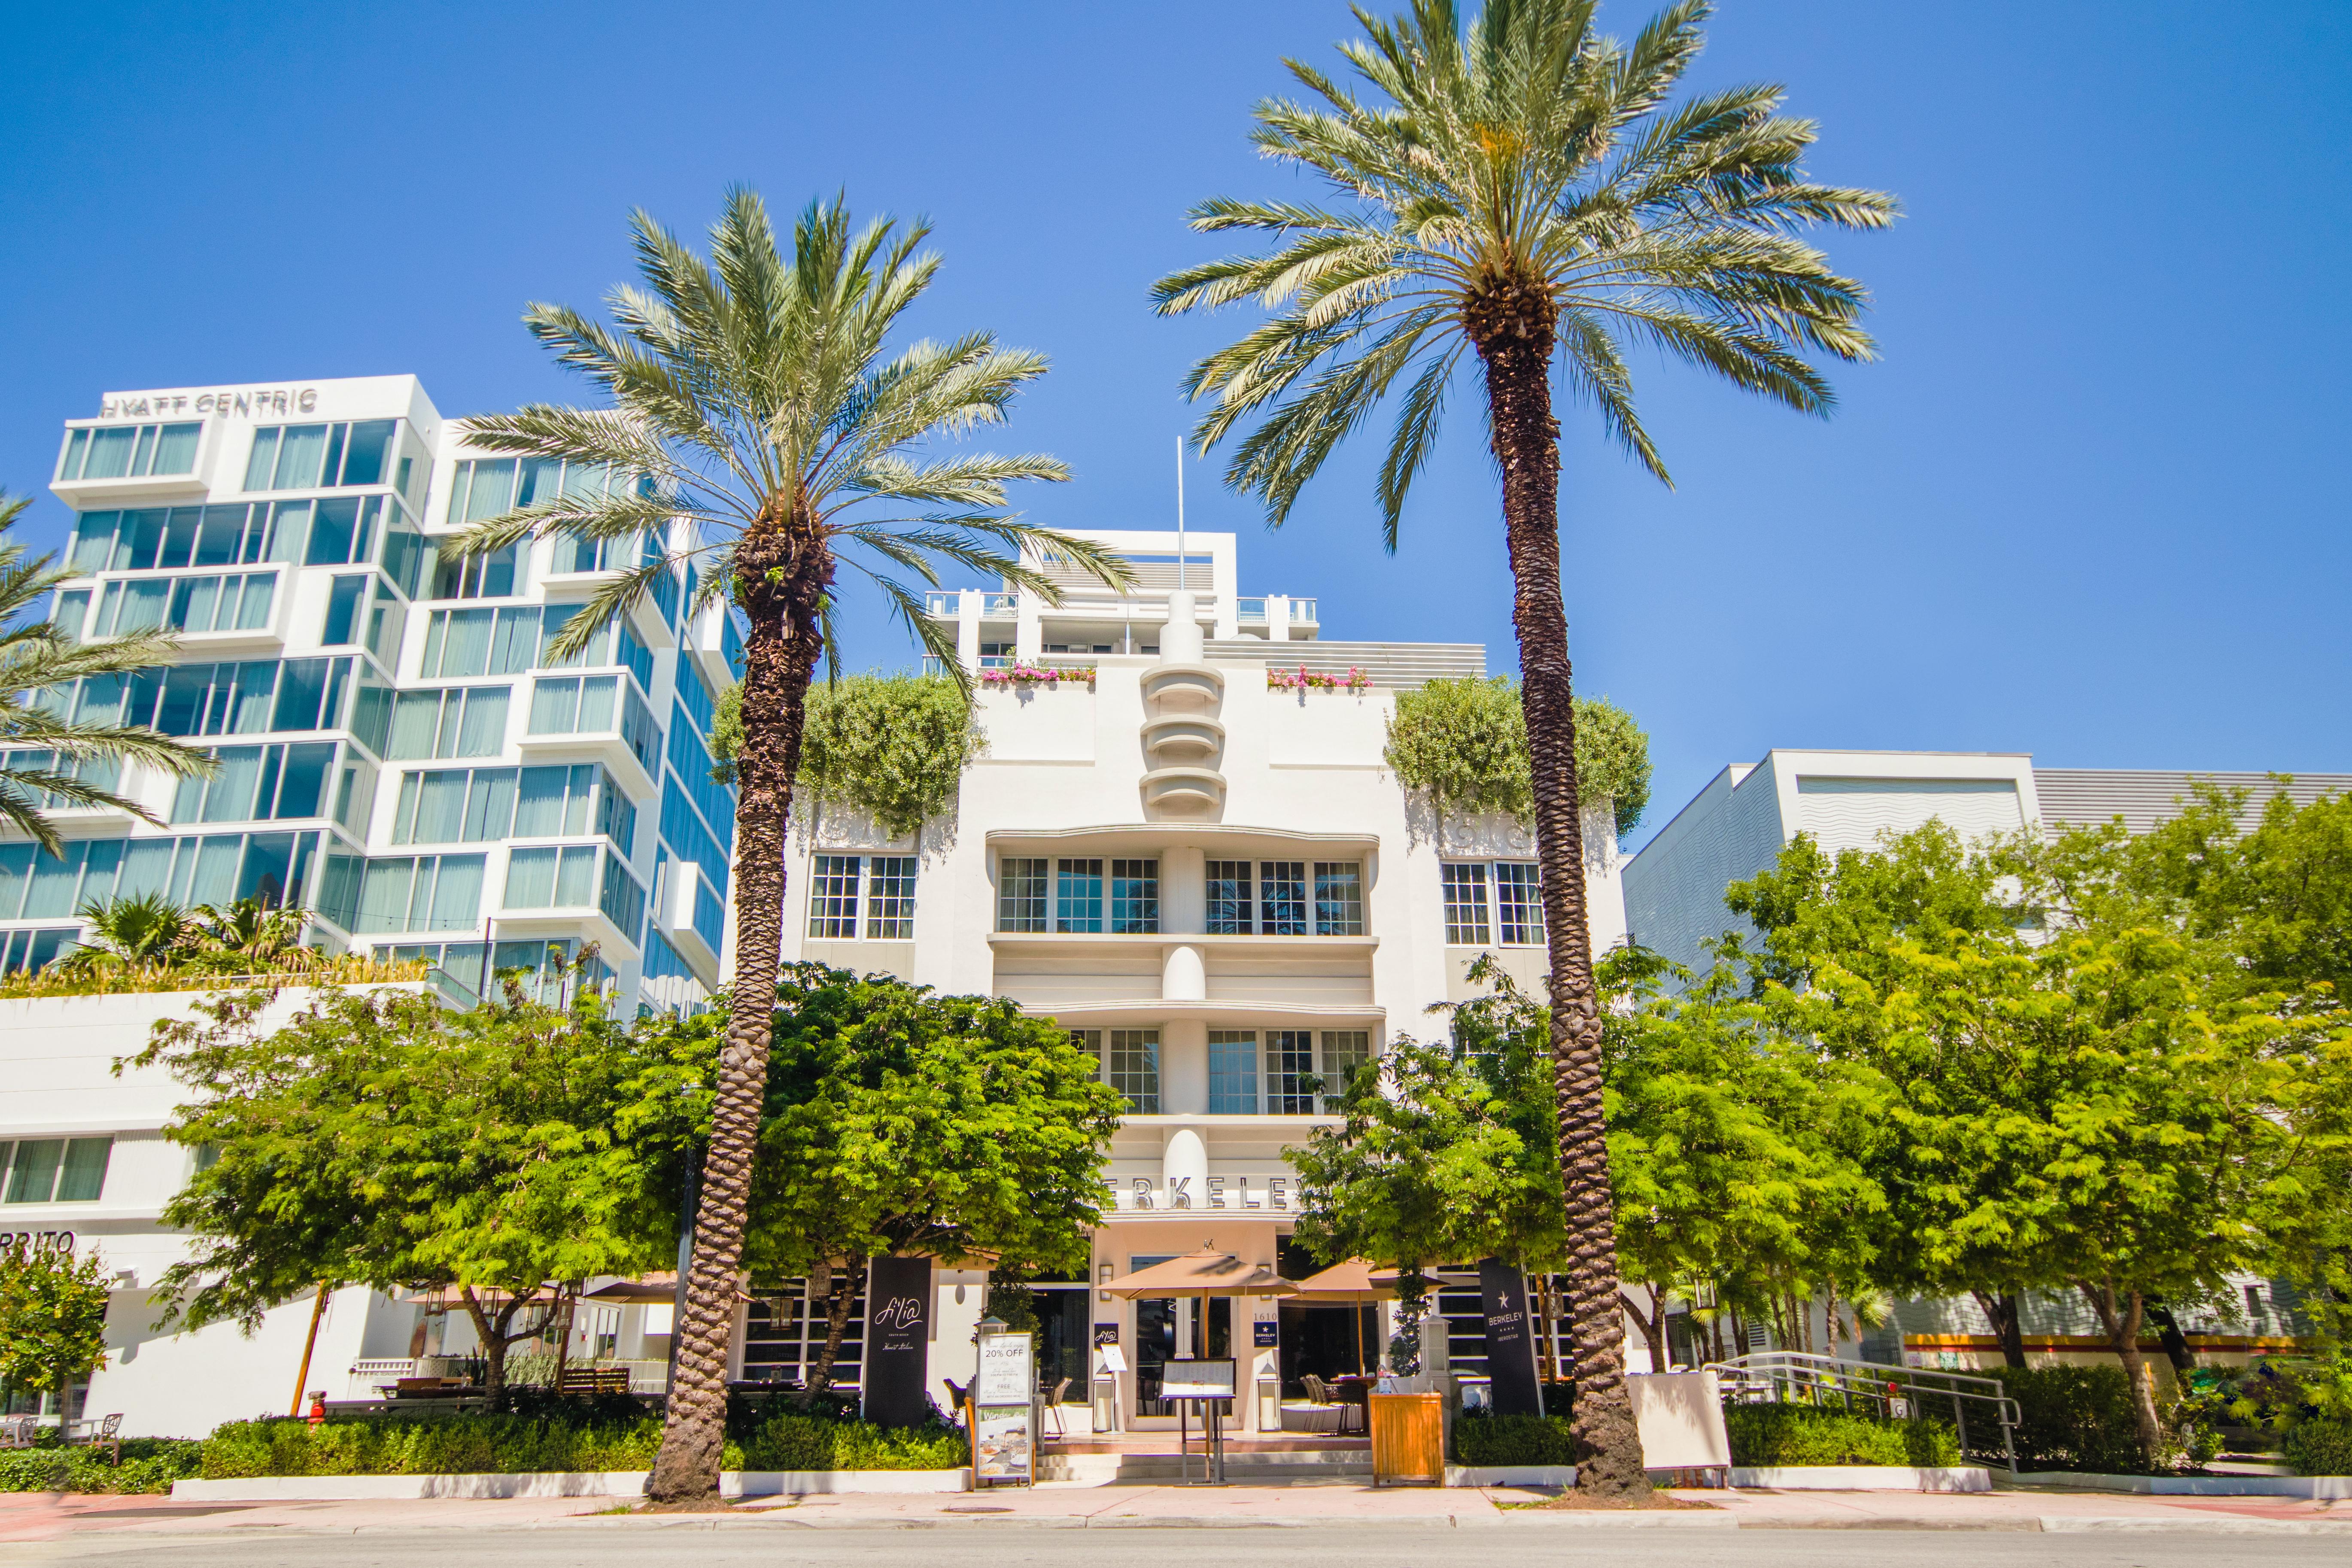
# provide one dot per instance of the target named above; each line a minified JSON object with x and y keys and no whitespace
{"x":2091,"y":504}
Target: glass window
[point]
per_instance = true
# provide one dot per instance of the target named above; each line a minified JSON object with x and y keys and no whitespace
{"x":554,"y":878}
{"x":403,"y":553}
{"x":127,"y":609}
{"x":454,"y":806}
{"x":1518,"y":899}
{"x":342,"y":531}
{"x":1079,"y":896}
{"x":226,"y":603}
{"x":891,"y":899}
{"x":1229,"y":897}
{"x":257,"y":784}
{"x":449,"y":721}
{"x":487,"y":576}
{"x":1233,"y":1072}
{"x":558,"y":802}
{"x":1020,"y":893}
{"x":1090,"y":1041}
{"x":319,"y":456}
{"x":481,"y":642}
{"x":1282,"y":898}
{"x":1338,"y":897}
{"x":832,"y":897}
{"x":428,"y":892}
{"x":1465,"y":903}
{"x":128,"y":451}
{"x":1289,"y":1063}
{"x":623,"y":902}
{"x":1345,"y":1053}
{"x":56,"y":1169}
{"x":1135,"y":896}
{"x":1134,"y":1068}
{"x":344,"y":597}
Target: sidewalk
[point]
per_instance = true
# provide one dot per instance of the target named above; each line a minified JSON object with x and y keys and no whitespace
{"x":35,"y":1516}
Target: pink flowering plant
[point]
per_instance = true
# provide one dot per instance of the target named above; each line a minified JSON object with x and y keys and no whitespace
{"x":1015,"y":674}
{"x":1305,"y":679}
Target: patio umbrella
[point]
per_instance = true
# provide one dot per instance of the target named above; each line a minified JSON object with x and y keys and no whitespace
{"x":1349,"y":1284}
{"x":1205,"y":1273}
{"x":647,"y":1291}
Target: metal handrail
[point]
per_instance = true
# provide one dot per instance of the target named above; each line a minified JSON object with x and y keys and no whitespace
{"x":1762,"y":1376}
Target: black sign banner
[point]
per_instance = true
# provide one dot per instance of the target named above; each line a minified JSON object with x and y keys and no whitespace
{"x":1510,"y":1338}
{"x":897,"y":1340}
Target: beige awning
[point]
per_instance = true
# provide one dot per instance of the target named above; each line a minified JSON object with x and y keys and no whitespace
{"x":1345,"y":1283}
{"x":1207,"y":1272}
{"x":645,"y":1290}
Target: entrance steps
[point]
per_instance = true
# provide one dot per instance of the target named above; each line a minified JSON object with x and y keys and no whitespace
{"x":1257,"y":1467}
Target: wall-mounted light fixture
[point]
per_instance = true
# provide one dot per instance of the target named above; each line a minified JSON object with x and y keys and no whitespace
{"x":1102,"y":1277}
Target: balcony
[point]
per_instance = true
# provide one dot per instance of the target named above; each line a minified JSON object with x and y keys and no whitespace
{"x":595,"y":717}
{"x":692,"y":917}
{"x":940,"y":602}
{"x":1250,"y":612}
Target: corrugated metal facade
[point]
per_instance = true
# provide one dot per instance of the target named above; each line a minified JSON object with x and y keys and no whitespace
{"x":1852,"y":813}
{"x":2084,"y":797}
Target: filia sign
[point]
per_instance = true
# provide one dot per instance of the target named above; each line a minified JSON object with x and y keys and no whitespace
{"x":226,"y":400}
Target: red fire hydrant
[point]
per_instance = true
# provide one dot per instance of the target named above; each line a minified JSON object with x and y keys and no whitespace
{"x":318,"y":1407}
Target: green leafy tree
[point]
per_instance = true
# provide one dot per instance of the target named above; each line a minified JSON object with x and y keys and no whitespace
{"x":2079,"y":1115}
{"x":893,"y":746}
{"x":51,"y":760}
{"x":1520,"y":190}
{"x":900,"y":1121}
{"x":757,"y":403}
{"x":1461,"y":746}
{"x":1739,"y":1157}
{"x":52,"y":1319}
{"x":1442,"y":1154}
{"x":377,"y":1138}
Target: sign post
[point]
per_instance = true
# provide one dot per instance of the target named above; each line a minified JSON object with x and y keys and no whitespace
{"x":1510,"y":1338}
{"x":1209,"y":1384}
{"x":898,"y":1342}
{"x":1003,"y":1398}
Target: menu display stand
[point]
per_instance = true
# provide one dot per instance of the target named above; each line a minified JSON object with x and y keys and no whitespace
{"x":1003,"y":1406}
{"x":1207,"y":1383}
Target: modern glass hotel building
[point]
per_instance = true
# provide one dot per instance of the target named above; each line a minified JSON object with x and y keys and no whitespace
{"x":397,"y":753}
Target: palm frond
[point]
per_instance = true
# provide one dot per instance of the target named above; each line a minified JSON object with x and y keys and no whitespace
{"x":1517,"y":153}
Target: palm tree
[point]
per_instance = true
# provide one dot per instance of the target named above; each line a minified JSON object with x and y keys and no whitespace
{"x":250,"y":936}
{"x":753,"y":399}
{"x":1519,"y":190}
{"x":141,"y":931}
{"x":65,"y":763}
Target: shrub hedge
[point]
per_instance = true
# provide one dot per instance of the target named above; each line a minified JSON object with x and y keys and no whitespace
{"x":1481,"y":1438}
{"x":789,"y":1440}
{"x":149,"y":1465}
{"x":1768,"y":1434}
{"x":457,"y":1445}
{"x":2075,"y":1418}
{"x":2319,"y":1447}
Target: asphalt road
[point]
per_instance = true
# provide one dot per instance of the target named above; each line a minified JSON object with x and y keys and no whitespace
{"x":1016,"y":1546}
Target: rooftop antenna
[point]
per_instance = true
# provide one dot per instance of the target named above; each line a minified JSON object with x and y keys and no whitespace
{"x":1181,"y":581}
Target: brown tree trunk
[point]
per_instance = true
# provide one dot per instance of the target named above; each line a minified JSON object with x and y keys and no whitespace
{"x":1654,"y":1324}
{"x":2119,"y":1313}
{"x":782,"y":573}
{"x":838,"y":1300}
{"x":1513,"y":328}
{"x":2175,"y":1343}
{"x":2005,"y":1314}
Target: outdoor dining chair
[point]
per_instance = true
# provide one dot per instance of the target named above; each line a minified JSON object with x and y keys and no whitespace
{"x":1054,"y":1405}
{"x":17,"y":1431}
{"x":106,"y":1433}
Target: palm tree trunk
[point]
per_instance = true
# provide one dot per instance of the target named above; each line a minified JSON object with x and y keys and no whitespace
{"x":1513,"y":331}
{"x":784,"y":575}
